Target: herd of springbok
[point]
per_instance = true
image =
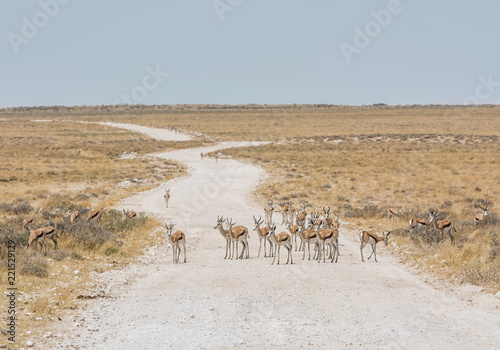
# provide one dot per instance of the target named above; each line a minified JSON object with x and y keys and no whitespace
{"x":37,"y":237}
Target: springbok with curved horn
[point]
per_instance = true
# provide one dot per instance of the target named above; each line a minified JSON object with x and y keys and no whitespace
{"x":294,"y":232}
{"x":372,"y":239}
{"x":284,"y":208}
{"x":175,"y":239}
{"x":481,"y":217}
{"x":263,"y":235}
{"x":281,"y":239}
{"x":238,"y":234}
{"x":225,"y":234}
{"x":166,"y":196}
{"x":308,"y":235}
{"x":302,"y":215}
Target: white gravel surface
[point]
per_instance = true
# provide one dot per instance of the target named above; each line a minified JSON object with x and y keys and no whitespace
{"x":212,"y":303}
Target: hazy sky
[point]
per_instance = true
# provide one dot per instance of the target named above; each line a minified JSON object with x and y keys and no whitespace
{"x":89,"y":52}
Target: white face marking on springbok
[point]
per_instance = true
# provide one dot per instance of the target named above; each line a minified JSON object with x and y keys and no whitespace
{"x":481,"y":217}
{"x":263,"y":234}
{"x":281,"y":239}
{"x":442,"y":225}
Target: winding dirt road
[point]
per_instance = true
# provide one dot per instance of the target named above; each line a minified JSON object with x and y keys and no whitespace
{"x":212,"y":303}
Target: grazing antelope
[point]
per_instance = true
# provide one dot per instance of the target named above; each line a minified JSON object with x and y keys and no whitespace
{"x":394,"y":212}
{"x":284,"y":208}
{"x":268,"y":210}
{"x":167,"y":196}
{"x":74,"y":215}
{"x":129,"y":214}
{"x":238,"y":234}
{"x":294,"y":232}
{"x":176,"y":238}
{"x":328,"y":236}
{"x":263,"y":235}
{"x":27,"y":221}
{"x":308,"y":235}
{"x":372,"y":239}
{"x":278,"y":240}
{"x":481,"y":217}
{"x":36,"y":237}
{"x":415,"y":223}
{"x":441,"y":225}
{"x":49,"y":232}
{"x":94,"y":214}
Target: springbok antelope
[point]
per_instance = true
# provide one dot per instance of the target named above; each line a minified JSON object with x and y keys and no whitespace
{"x":225,"y":234}
{"x":391,"y":212}
{"x":167,"y":196}
{"x":415,"y":223}
{"x":36,"y":237}
{"x":441,"y":225}
{"x":50,"y":232}
{"x":372,"y":239}
{"x":302,"y":215}
{"x":94,"y":214}
{"x":176,"y":238}
{"x":201,"y":154}
{"x":278,"y":240}
{"x":74,"y":215}
{"x":294,"y":232}
{"x":308,"y":235}
{"x":481,"y":217}
{"x":27,"y":221}
{"x":328,"y":236}
{"x":268,"y":210}
{"x":284,"y":208}
{"x":129,"y":214}
{"x":262,"y":233}
{"x":238,"y":234}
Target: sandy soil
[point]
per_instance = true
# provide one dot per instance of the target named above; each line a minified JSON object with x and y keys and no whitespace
{"x":212,"y":303}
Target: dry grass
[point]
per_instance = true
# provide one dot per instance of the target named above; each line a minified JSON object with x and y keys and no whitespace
{"x":360,"y":179}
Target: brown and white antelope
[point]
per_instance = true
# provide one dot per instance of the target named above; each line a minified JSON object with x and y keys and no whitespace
{"x":281,"y":239}
{"x":36,"y":237}
{"x":129,"y":214}
{"x":238,"y":234}
{"x":372,"y":239}
{"x":262,"y":232}
{"x":225,"y":234}
{"x":74,"y":215}
{"x":442,"y":225}
{"x":50,"y":232}
{"x":94,"y":214}
{"x":302,"y":215}
{"x":328,"y":236}
{"x":268,"y":210}
{"x":391,"y":212}
{"x":308,"y":235}
{"x":481,"y":217}
{"x":284,"y":208}
{"x":415,"y":223}
{"x":166,"y":196}
{"x":294,"y":232}
{"x":176,"y":239}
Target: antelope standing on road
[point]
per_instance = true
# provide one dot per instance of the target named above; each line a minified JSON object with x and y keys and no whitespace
{"x":238,"y":234}
{"x":281,"y":239}
{"x":268,"y":210}
{"x":328,"y":236}
{"x":372,"y":239}
{"x":175,"y":239}
{"x":167,"y":196}
{"x":308,"y":235}
{"x":262,"y":233}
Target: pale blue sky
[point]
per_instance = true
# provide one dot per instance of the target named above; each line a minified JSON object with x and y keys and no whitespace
{"x":89,"y":52}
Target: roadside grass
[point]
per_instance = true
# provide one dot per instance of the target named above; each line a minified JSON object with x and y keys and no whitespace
{"x":359,"y":179}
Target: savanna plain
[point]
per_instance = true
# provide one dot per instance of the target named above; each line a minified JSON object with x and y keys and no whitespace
{"x":358,"y":161}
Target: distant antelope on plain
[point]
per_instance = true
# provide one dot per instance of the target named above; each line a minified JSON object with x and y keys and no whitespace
{"x":166,"y":196}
